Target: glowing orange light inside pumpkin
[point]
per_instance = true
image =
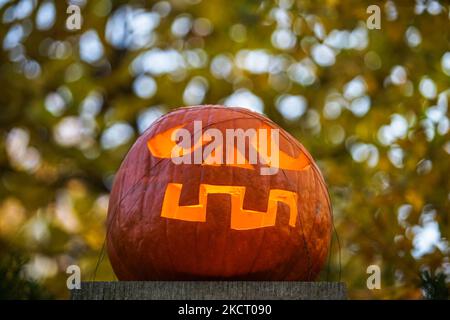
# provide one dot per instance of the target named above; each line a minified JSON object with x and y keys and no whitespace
{"x":241,"y":219}
{"x":163,"y":145}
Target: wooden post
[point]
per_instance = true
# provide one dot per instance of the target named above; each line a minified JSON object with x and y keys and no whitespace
{"x":210,"y":290}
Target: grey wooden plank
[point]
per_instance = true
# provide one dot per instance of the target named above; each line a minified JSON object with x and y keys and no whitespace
{"x":210,"y":290}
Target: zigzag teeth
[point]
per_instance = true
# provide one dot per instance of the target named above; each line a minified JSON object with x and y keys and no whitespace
{"x":241,"y":219}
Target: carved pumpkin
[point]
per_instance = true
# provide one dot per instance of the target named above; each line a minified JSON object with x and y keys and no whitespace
{"x":191,"y":220}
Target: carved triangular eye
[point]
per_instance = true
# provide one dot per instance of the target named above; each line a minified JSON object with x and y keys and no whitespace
{"x":163,"y":144}
{"x":285,"y":161}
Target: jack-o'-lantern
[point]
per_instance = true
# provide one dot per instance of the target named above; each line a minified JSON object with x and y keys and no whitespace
{"x":214,"y":192}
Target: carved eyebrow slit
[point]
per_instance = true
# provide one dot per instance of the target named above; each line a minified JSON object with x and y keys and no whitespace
{"x":162,"y":145}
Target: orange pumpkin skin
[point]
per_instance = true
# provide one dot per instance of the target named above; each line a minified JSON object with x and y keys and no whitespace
{"x":142,"y":245}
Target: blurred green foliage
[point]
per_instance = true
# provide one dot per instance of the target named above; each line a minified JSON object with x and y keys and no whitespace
{"x":13,"y":285}
{"x":370,"y":105}
{"x":434,"y":286}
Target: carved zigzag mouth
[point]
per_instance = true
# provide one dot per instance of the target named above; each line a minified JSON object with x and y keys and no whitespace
{"x":241,"y":219}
